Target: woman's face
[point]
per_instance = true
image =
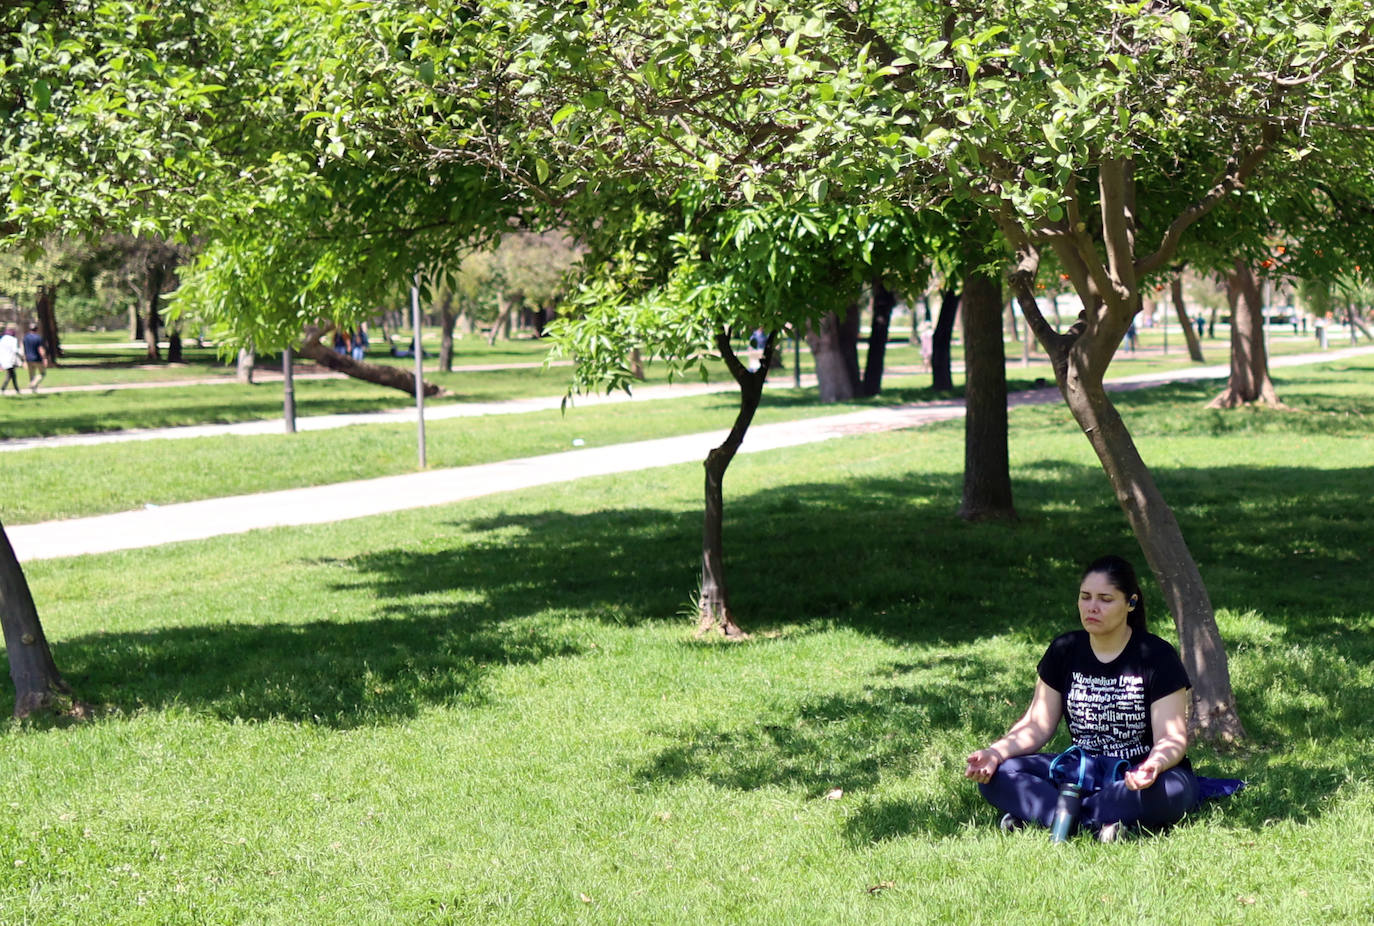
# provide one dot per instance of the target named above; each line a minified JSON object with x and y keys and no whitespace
{"x":1102,"y":607}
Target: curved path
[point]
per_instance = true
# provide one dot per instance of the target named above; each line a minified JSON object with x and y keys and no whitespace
{"x":363,"y":498}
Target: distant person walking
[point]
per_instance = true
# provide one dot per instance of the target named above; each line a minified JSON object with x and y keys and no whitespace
{"x":9,"y":359}
{"x":35,"y":357}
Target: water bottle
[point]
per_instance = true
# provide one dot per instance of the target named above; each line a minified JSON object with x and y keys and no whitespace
{"x":1065,"y":811}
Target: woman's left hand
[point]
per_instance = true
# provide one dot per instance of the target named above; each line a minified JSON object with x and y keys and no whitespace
{"x":1143,"y":775}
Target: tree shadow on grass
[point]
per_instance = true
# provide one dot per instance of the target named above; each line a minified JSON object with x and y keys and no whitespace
{"x":891,"y":563}
{"x":851,"y":742}
{"x":881,"y":556}
{"x":332,"y":673}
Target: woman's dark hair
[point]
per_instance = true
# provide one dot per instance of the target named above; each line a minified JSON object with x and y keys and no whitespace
{"x":1122,"y":575}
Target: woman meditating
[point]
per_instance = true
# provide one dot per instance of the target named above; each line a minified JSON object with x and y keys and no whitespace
{"x":1125,"y":694}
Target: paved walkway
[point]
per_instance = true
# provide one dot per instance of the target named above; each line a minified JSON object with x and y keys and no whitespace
{"x":439,"y":412}
{"x":364,"y":498}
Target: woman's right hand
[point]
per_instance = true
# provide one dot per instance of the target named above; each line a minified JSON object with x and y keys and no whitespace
{"x":982,"y":765}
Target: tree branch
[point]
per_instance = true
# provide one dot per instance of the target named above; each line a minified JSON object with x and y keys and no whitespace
{"x":1233,"y":179}
{"x":1118,"y":223}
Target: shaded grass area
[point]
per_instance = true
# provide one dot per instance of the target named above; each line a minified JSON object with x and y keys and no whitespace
{"x":493,"y":711}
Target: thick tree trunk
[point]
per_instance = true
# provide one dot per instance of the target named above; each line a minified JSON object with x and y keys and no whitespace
{"x":153,"y":300}
{"x":1189,"y":331}
{"x":174,"y":346}
{"x":1249,"y":381}
{"x":446,"y":323}
{"x":135,"y":321}
{"x":38,"y":686}
{"x":246,"y":363}
{"x":941,"y":375}
{"x":834,"y":344}
{"x":45,"y":307}
{"x":987,"y":470}
{"x":884,"y":300}
{"x":714,"y":615}
{"x":382,"y":375}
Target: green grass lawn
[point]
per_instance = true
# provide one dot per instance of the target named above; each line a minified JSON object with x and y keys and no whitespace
{"x":46,"y":483}
{"x":493,"y":712}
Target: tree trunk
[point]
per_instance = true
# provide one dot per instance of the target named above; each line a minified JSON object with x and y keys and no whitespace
{"x":382,"y":375}
{"x":834,"y":345}
{"x":1080,"y":360}
{"x":637,"y":364}
{"x":714,"y":615}
{"x":45,"y":308}
{"x":1249,"y":381}
{"x":38,"y":686}
{"x":941,"y":376}
{"x":884,"y":300}
{"x":153,"y":300}
{"x":1189,"y":331}
{"x":135,"y":322}
{"x":246,"y":363}
{"x":501,"y":327}
{"x":1353,"y":319}
{"x":1161,"y":540}
{"x":446,"y":323}
{"x":987,"y":470}
{"x":174,"y":346}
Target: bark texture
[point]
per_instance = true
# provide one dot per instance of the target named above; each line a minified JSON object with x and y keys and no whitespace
{"x":941,"y":374}
{"x":1190,"y":334}
{"x":987,"y":470}
{"x":834,"y":344}
{"x":38,"y":685}
{"x":714,"y":614}
{"x":1249,"y":380}
{"x":153,"y":281}
{"x":884,"y":300}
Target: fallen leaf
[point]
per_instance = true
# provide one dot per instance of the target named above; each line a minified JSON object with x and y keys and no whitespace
{"x":834,"y":794}
{"x":881,"y":886}
{"x":1247,"y":900}
{"x":584,"y":898}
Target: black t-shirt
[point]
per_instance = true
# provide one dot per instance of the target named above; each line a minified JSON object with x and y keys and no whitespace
{"x":1107,"y":704}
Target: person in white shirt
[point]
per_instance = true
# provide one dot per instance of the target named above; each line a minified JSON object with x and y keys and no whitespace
{"x":9,"y":359}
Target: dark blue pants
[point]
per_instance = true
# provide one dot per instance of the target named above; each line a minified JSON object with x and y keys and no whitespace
{"x":1022,"y":788}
